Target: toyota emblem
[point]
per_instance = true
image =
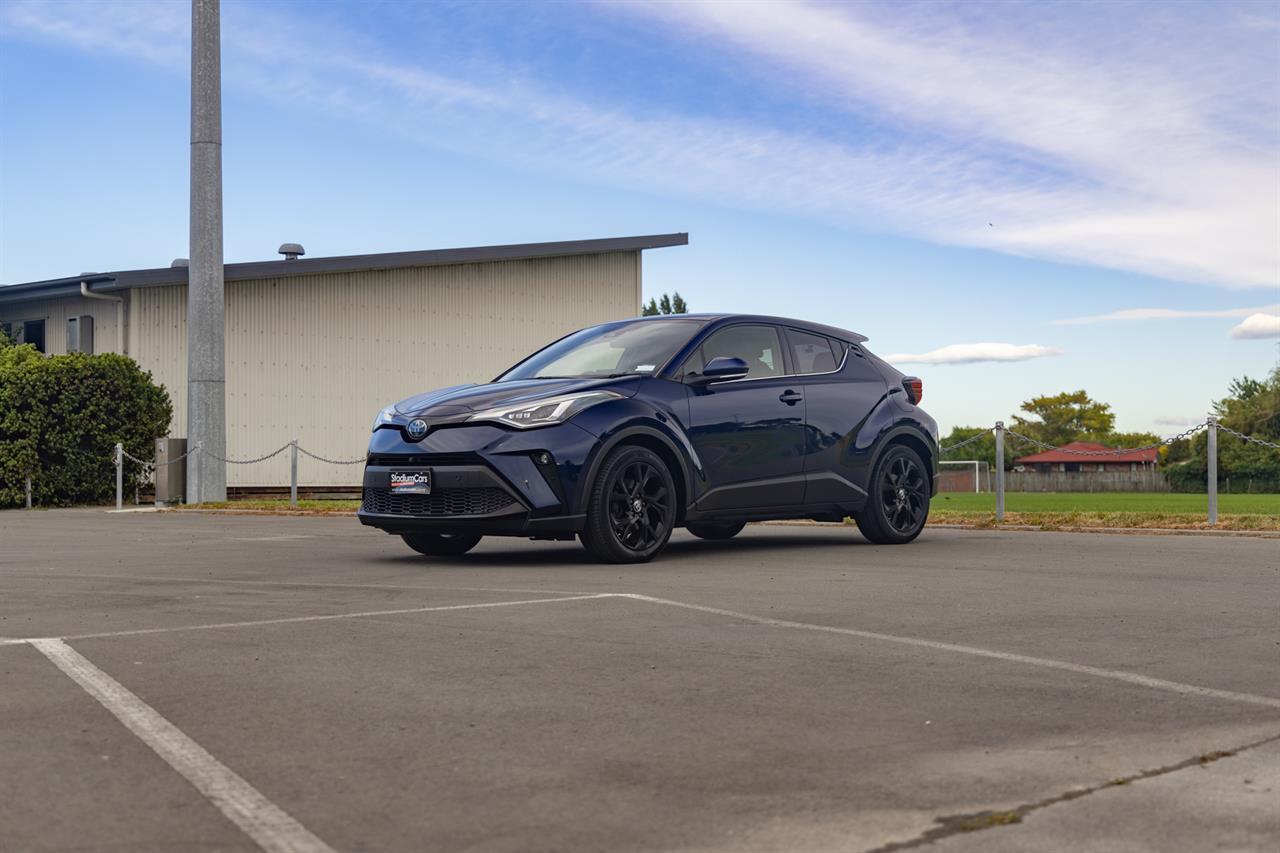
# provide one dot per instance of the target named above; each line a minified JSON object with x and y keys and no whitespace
{"x":416,"y":429}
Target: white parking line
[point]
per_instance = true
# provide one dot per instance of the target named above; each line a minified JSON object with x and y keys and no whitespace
{"x":329,"y":616}
{"x":271,"y":828}
{"x":1049,"y":663}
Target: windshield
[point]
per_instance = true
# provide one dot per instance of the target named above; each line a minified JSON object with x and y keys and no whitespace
{"x":635,"y":348}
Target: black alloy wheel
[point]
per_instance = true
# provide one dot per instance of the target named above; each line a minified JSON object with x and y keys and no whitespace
{"x":632,"y":507}
{"x":898,"y":503}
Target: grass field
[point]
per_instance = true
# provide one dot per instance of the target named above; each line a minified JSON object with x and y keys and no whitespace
{"x":1039,"y":509}
{"x":1155,"y":502}
{"x":1108,"y":509}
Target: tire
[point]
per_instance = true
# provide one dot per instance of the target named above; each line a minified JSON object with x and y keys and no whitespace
{"x":712,"y":530}
{"x":440,"y":544}
{"x":631,"y":510}
{"x":897,"y":499}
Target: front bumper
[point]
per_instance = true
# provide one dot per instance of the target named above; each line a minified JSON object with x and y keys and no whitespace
{"x":485,"y":479}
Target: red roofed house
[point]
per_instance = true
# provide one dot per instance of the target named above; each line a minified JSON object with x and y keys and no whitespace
{"x":1081,"y":456}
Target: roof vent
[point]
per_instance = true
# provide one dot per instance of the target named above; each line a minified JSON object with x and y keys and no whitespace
{"x":291,"y":251}
{"x":179,"y":263}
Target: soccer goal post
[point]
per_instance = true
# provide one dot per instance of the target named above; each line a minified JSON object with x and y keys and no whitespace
{"x":974,"y":475}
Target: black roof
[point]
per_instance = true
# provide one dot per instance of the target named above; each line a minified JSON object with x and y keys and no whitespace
{"x":817,"y":328}
{"x":125,"y":279}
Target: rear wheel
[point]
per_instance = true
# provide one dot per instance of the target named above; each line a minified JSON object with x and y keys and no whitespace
{"x":440,"y":544}
{"x":632,"y":507}
{"x":898,"y":500}
{"x":710,"y":530}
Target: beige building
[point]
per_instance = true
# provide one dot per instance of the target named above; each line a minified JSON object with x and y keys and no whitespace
{"x":315,"y":347}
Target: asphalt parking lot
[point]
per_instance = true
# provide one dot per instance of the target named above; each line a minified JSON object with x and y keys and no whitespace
{"x":220,"y":682}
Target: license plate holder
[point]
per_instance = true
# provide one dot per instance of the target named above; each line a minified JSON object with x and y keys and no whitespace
{"x":411,"y":482}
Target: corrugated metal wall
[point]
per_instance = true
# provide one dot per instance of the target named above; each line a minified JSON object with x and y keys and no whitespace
{"x":55,"y":312}
{"x":316,"y":357}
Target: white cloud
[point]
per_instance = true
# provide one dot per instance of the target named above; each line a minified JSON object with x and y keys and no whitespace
{"x":1161,"y":314}
{"x":1257,"y":326}
{"x":1142,"y":148}
{"x":974,"y":353}
{"x":1141,"y":144}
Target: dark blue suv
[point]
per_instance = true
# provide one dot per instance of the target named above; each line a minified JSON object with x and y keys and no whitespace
{"x":622,"y":432}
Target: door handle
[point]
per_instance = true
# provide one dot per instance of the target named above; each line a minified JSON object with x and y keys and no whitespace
{"x":791,"y":397}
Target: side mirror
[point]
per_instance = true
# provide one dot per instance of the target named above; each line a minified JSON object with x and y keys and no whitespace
{"x":721,"y":369}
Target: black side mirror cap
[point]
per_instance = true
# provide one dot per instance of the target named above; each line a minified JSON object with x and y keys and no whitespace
{"x":721,"y":369}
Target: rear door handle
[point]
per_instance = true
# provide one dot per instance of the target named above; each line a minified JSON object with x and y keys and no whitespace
{"x":791,"y":397}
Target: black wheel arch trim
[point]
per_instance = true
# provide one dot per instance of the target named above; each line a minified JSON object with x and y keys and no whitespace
{"x":678,"y":447}
{"x":913,"y":430}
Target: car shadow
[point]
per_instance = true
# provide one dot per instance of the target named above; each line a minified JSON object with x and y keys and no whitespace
{"x":565,"y":554}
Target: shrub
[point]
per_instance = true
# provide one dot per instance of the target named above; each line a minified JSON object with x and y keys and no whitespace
{"x":60,"y":419}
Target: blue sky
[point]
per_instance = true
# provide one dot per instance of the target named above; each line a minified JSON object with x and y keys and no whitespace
{"x":1009,"y":199}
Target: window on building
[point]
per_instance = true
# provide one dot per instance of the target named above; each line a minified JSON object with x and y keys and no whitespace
{"x":1102,"y":466}
{"x":33,"y":333}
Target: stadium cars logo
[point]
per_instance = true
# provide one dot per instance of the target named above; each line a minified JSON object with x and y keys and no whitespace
{"x":416,"y":429}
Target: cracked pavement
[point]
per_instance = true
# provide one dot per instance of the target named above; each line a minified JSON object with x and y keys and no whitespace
{"x":792,"y":689}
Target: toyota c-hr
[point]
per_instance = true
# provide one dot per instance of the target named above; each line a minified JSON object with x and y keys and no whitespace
{"x":619,"y":433}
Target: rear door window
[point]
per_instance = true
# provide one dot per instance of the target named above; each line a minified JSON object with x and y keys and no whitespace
{"x":812,"y":353}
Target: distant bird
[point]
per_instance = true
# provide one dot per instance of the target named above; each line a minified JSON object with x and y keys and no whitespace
{"x":989,"y":225}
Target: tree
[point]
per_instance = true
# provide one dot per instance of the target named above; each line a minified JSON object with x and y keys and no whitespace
{"x":672,"y":304}
{"x":1065,"y":417}
{"x":1252,"y":407}
{"x":60,"y":419}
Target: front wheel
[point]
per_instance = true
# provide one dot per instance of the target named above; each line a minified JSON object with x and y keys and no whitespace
{"x":632,"y":507}
{"x":898,"y":500}
{"x":440,"y":544}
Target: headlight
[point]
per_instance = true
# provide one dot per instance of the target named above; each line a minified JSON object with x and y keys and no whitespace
{"x":386,"y":416}
{"x":552,"y":410}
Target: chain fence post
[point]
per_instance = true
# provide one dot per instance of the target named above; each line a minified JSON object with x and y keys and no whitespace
{"x":28,"y":491}
{"x":293,"y":473}
{"x":999,"y":470}
{"x":1213,"y":470}
{"x":119,"y":475}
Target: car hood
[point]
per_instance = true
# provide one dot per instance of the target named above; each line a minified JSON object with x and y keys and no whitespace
{"x":457,"y":399}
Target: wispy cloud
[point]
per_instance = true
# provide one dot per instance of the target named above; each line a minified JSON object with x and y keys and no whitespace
{"x":1131,"y":314}
{"x":974,"y":353}
{"x":1140,"y":144}
{"x":1176,"y":420}
{"x":1025,"y":133}
{"x":1257,"y":326}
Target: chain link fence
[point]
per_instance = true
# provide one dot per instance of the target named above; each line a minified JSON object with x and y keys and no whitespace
{"x":999,"y":429}
{"x":149,"y":466}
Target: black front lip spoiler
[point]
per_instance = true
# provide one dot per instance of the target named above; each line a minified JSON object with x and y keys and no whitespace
{"x":509,"y":525}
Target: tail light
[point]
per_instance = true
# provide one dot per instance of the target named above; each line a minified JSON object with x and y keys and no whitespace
{"x":914,"y":387}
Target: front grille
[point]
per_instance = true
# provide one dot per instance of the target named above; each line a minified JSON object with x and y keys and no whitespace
{"x":393,"y":459}
{"x":469,"y":501}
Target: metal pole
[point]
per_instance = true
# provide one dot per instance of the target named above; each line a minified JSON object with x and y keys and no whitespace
{"x":206,"y":371}
{"x":119,"y":475}
{"x":1213,"y":470}
{"x":999,"y":470}
{"x":28,"y":491}
{"x":293,"y":473}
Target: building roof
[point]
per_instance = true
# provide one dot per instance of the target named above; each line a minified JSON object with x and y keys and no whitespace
{"x":1088,"y":451}
{"x":126,"y":279}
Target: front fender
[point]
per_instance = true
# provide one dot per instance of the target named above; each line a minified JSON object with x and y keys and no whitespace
{"x":635,"y":421}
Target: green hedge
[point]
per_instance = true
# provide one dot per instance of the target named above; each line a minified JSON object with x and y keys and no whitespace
{"x":60,"y":419}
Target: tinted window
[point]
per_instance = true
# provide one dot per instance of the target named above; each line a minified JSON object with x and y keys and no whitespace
{"x":642,"y":348}
{"x":811,"y":353}
{"x":758,"y":346}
